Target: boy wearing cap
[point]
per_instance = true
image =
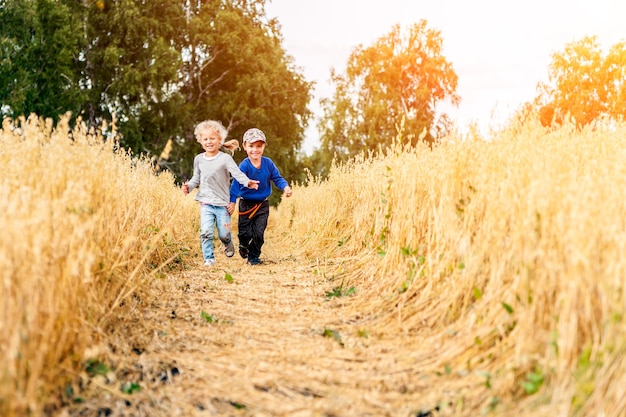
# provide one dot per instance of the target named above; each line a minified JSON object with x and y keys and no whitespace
{"x":254,"y":207}
{"x":212,"y":170}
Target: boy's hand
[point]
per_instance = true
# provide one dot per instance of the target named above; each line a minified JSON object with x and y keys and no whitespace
{"x":186,"y":188}
{"x":287,"y":191}
{"x":254,"y":184}
{"x":231,"y":208}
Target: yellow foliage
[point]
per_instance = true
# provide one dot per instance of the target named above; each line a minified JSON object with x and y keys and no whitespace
{"x":83,"y":227}
{"x":504,"y":255}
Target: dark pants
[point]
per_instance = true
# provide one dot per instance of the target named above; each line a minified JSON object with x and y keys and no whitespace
{"x":252,"y":224}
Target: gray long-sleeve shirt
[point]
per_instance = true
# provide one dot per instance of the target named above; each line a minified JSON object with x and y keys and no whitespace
{"x":212,"y":176}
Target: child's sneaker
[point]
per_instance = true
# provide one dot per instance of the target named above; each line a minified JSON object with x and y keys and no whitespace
{"x":243,"y":251}
{"x":229,"y":249}
{"x":254,"y":261}
{"x":209,"y":262}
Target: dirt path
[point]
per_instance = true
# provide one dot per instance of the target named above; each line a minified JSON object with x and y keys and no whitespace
{"x":238,"y":340}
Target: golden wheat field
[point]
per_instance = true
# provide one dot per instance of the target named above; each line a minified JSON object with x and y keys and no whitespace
{"x":479,"y":277}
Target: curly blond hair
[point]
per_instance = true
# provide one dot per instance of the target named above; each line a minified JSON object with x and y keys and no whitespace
{"x":218,"y":127}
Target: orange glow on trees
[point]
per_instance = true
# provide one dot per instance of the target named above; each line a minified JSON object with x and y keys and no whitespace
{"x":584,"y":84}
{"x":398,"y":80}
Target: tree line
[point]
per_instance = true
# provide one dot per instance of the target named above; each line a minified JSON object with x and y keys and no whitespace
{"x":161,"y":66}
{"x":395,"y":85}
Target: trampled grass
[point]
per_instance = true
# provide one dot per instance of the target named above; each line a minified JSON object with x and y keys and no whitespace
{"x":505,"y":256}
{"x":496,"y":268}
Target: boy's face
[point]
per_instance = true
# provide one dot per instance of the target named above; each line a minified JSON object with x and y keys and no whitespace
{"x":210,"y":141}
{"x":255,"y":150}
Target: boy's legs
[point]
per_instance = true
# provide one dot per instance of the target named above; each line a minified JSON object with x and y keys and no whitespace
{"x":207,"y":224}
{"x":251,"y":230}
{"x":244,"y":227}
{"x":258,"y":226}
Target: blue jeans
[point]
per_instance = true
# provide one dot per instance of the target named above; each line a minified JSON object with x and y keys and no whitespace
{"x":211,"y":216}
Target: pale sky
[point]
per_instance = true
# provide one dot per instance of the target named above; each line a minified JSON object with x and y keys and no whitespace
{"x":499,"y":49}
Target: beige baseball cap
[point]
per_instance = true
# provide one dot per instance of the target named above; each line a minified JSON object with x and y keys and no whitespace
{"x":254,"y":135}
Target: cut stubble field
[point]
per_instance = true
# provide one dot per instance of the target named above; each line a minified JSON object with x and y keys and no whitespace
{"x":474,"y":278}
{"x":236,"y":339}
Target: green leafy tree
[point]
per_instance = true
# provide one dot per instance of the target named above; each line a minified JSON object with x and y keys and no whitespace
{"x":159,"y":67}
{"x":584,"y":84}
{"x":236,"y":71}
{"x":175,"y":64}
{"x":40,"y":65}
{"x":133,"y":68}
{"x":396,"y":82}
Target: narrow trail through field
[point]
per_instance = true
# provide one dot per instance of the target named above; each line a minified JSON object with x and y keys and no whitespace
{"x":241,"y":340}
